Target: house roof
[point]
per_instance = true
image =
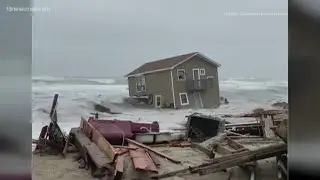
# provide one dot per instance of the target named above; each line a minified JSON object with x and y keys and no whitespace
{"x":168,"y":63}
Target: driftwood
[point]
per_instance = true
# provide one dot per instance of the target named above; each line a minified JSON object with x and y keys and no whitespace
{"x":152,"y":150}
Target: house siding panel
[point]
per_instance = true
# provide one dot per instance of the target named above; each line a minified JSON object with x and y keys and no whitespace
{"x":156,"y":84}
{"x":210,"y":96}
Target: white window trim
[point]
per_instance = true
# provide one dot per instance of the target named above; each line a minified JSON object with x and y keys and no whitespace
{"x":145,"y":82}
{"x":210,"y":77}
{"x":204,"y":72}
{"x":155,"y":101}
{"x":184,"y":104}
{"x":184,"y":71}
{"x":195,"y":69}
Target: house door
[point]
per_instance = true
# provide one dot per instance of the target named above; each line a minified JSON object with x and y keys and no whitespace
{"x":196,"y":78}
{"x":198,"y":100}
{"x":158,"y":101}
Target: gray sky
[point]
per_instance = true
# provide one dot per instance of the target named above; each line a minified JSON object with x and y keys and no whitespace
{"x":111,"y":38}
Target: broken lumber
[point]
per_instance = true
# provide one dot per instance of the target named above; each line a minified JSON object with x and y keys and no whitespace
{"x":220,"y":160}
{"x":233,"y":133}
{"x":119,"y":168}
{"x":235,"y":145}
{"x":154,"y":158}
{"x":203,"y":149}
{"x":222,"y":150}
{"x":141,"y":160}
{"x":98,"y":139}
{"x":243,"y":158}
{"x":152,"y":150}
{"x":212,"y":142}
{"x":245,"y":137}
{"x":87,"y":147}
{"x":124,"y":147}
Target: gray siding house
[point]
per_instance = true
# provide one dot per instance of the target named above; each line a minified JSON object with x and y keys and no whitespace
{"x":184,"y":81}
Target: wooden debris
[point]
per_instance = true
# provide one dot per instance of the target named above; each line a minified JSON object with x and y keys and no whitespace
{"x":244,"y":137}
{"x":222,"y":150}
{"x":119,"y":168}
{"x":124,"y":147}
{"x":98,"y":139}
{"x":233,"y":133}
{"x":212,"y":142}
{"x":267,"y":123}
{"x":154,"y":158}
{"x":141,"y":160}
{"x":243,"y":158}
{"x":152,"y":150}
{"x":87,"y":147}
{"x":235,"y":145}
{"x":203,"y":149}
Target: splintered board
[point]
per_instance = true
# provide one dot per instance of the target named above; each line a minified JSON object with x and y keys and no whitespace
{"x":98,"y":139}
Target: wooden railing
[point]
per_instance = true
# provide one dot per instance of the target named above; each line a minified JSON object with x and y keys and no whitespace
{"x":197,"y":85}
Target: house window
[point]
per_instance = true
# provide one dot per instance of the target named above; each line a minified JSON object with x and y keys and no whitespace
{"x":141,"y":83}
{"x":210,"y":81}
{"x":181,"y":74}
{"x":202,"y":72}
{"x":184,"y":99}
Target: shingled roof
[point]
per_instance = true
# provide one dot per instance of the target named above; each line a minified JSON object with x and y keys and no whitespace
{"x":168,"y":63}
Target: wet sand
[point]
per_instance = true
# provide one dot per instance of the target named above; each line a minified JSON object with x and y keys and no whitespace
{"x":54,"y":167}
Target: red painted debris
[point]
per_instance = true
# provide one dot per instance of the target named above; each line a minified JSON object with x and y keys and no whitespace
{"x":141,"y":160}
{"x":115,"y":131}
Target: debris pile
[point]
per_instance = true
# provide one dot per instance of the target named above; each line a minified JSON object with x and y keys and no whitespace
{"x":112,"y":148}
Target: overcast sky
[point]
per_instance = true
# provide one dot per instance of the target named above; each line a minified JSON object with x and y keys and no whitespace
{"x":104,"y":38}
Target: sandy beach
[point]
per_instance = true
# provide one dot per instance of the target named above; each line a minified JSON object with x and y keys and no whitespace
{"x":55,"y":167}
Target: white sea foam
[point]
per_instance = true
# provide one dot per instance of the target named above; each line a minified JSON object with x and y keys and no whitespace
{"x":74,"y":98}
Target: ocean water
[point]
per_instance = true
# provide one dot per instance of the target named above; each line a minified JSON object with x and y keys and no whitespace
{"x":76,"y":95}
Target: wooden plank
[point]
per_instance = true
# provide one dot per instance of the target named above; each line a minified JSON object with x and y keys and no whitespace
{"x":141,"y":160}
{"x":154,"y":158}
{"x":219,"y":160}
{"x":101,"y":142}
{"x":124,"y":147}
{"x":106,"y":147}
{"x":86,"y":129}
{"x":205,"y":150}
{"x":233,"y":133}
{"x":119,"y":168}
{"x":152,"y":150}
{"x":222,"y":150}
{"x":53,"y":112}
{"x":86,"y":146}
{"x":244,"y":137}
{"x":96,"y":155}
{"x":235,"y":145}
{"x":241,"y":160}
{"x":267,"y":123}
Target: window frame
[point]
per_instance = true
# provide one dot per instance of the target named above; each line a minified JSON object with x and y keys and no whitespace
{"x":184,"y":71}
{"x":187,"y":98}
{"x":202,"y":70}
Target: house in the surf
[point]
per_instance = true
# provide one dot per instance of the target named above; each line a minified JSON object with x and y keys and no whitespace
{"x":184,"y":81}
